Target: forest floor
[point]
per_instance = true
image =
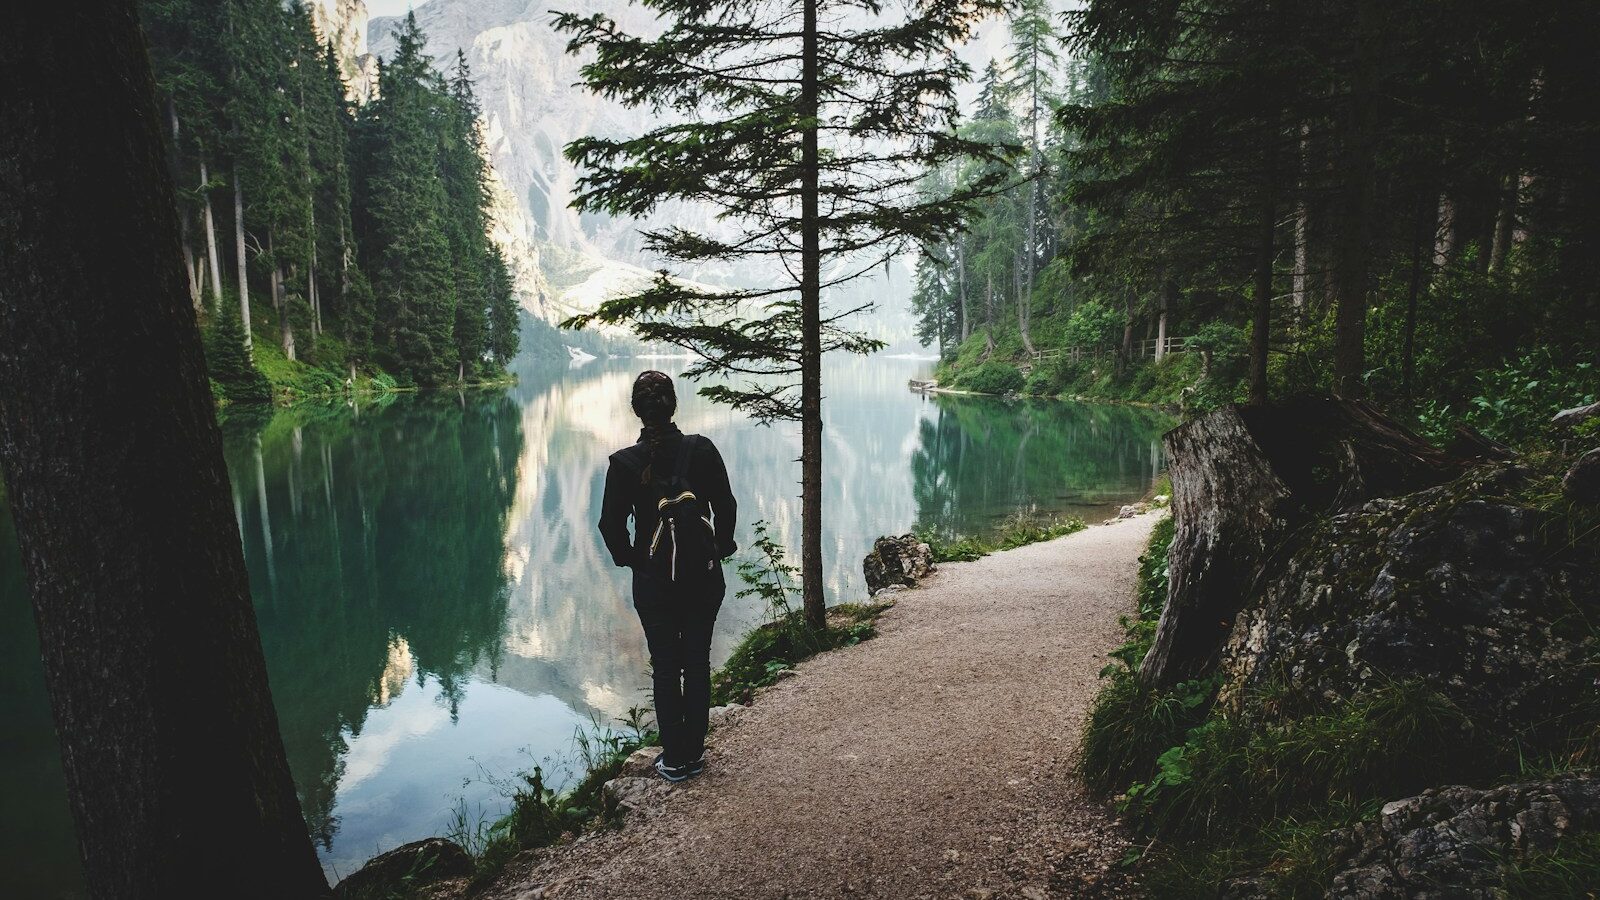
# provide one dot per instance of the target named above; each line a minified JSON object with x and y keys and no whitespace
{"x":932,"y":761}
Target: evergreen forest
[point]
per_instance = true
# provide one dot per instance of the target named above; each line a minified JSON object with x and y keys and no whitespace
{"x":327,"y":242}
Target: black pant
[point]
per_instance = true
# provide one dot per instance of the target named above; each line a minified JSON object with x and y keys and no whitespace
{"x":677,"y":620}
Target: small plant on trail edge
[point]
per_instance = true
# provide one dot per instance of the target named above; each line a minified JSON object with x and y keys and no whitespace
{"x":539,"y":816}
{"x":785,"y":639}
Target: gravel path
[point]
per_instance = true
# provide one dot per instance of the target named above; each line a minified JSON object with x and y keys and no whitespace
{"x":931,"y":761}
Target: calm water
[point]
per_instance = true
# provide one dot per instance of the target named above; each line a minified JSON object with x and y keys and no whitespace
{"x":438,"y":612}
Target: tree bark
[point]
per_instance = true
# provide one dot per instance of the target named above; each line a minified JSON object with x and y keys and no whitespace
{"x":811,"y":590}
{"x":174,"y":765}
{"x":244,"y":267}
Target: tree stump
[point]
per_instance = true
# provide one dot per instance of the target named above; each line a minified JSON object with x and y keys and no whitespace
{"x":1243,"y":479}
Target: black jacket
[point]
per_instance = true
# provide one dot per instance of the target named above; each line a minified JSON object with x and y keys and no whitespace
{"x":625,"y":495}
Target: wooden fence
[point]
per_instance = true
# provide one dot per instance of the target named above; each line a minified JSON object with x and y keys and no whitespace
{"x":1141,"y":350}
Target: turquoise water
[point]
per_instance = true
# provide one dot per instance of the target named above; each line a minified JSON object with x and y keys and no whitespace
{"x":438,"y":612}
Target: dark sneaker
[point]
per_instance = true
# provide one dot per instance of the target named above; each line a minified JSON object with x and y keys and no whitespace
{"x":694,"y":768}
{"x":671,"y":773}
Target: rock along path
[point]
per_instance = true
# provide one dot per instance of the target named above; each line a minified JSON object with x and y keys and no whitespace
{"x":932,"y":761}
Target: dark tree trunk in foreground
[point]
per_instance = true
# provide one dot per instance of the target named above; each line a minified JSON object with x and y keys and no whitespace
{"x":174,"y":764}
{"x":1243,"y":478}
{"x":811,"y":335}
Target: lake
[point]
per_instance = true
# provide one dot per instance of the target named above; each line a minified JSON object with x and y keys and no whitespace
{"x":438,"y":612}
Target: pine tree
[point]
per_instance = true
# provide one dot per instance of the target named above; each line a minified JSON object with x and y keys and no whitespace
{"x":1032,"y":62}
{"x":465,"y":173}
{"x":504,"y":324}
{"x":403,"y":207}
{"x":809,"y":139}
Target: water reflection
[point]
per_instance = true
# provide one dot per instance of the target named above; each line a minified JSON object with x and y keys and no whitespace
{"x":435,"y":603}
{"x":979,"y":461}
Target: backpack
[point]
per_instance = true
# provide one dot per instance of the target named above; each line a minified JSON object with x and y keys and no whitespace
{"x":684,"y":543}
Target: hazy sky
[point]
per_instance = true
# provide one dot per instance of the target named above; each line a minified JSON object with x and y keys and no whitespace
{"x":377,"y":8}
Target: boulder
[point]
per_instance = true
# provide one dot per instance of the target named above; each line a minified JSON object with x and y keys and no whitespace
{"x":406,"y":868}
{"x":1457,"y":842}
{"x":1572,"y":418}
{"x":721,"y":715}
{"x":1582,"y":482}
{"x":897,"y":560}
{"x":1459,"y":587}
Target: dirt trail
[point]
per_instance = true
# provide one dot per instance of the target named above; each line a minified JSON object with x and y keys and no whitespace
{"x":931,"y":761}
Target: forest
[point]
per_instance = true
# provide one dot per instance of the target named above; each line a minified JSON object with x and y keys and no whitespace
{"x":360,"y":230}
{"x":1390,"y":200}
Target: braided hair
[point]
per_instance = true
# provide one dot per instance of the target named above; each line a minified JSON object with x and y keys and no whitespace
{"x":654,"y":402}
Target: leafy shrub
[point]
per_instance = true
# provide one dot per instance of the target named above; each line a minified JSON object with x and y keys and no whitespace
{"x":1513,"y":402}
{"x":1092,"y":324}
{"x":992,"y":377}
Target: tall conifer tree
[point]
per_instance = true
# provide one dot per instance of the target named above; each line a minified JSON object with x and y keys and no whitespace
{"x":806,"y":124}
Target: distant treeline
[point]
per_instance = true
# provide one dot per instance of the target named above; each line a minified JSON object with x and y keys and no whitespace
{"x":360,"y":231}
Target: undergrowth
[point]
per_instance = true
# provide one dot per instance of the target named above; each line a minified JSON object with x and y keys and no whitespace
{"x":1218,"y":795}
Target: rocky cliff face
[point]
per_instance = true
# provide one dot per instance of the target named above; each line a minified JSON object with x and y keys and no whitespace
{"x":345,"y":24}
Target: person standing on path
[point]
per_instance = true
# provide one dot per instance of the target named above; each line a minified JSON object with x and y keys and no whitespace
{"x":676,"y":488}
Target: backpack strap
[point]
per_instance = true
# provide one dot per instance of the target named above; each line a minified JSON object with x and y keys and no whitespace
{"x":635,"y":458}
{"x":686,"y":449}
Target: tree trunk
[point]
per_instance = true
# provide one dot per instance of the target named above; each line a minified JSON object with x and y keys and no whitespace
{"x":1261,"y":301}
{"x":244,"y":268}
{"x":1505,"y":223}
{"x":1125,"y":354}
{"x":1444,"y":239}
{"x":174,"y":765}
{"x":1169,"y":291}
{"x":280,"y":302}
{"x":961,"y":280}
{"x":1419,"y":239}
{"x":190,"y":262}
{"x":211,"y":237}
{"x":1355,"y":250}
{"x":815,"y":603}
{"x":1302,"y":228}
